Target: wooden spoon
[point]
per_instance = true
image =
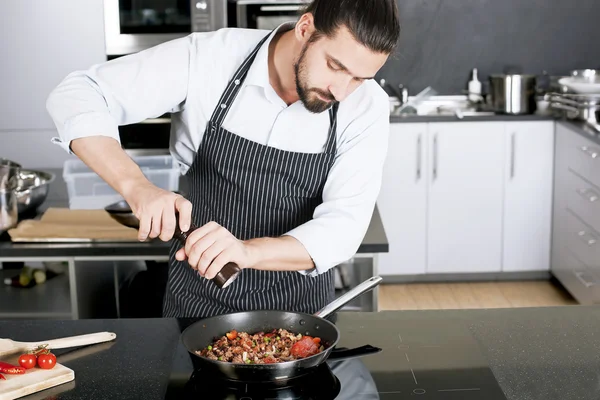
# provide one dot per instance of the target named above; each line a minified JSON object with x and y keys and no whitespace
{"x":9,"y":346}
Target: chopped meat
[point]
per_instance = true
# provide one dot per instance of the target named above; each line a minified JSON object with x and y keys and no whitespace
{"x":276,"y":346}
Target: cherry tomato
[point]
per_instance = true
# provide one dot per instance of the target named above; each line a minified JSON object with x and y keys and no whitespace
{"x":304,"y":347}
{"x":46,"y":361}
{"x":27,"y":360}
{"x":231,"y":335}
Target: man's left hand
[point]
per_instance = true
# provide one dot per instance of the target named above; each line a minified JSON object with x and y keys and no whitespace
{"x":210,"y":247}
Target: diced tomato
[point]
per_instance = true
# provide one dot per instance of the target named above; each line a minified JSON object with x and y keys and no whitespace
{"x":269,"y":360}
{"x":231,"y":335}
{"x":317,"y":340}
{"x":304,"y":347}
{"x":269,"y":335}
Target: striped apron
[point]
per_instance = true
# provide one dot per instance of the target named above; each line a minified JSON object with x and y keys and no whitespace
{"x":253,"y":191}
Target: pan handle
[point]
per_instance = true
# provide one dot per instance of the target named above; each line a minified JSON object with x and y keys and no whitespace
{"x":228,"y":273}
{"x":344,"y":353}
{"x":345,"y":298}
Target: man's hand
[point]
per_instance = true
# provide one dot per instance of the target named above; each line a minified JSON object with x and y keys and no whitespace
{"x":212,"y":246}
{"x":155,"y":208}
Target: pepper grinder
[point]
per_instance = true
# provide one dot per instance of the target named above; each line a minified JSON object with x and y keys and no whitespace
{"x":228,"y":273}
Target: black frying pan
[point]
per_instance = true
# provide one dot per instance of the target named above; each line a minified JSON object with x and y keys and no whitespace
{"x":202,"y":333}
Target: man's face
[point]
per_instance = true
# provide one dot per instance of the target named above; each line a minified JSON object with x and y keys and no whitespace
{"x":330,"y":69}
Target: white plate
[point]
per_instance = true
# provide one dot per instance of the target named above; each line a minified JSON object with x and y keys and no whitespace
{"x":579,"y":85}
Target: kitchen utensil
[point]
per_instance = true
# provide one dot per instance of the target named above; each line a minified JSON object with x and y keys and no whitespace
{"x":32,"y":189}
{"x":33,"y":380}
{"x":201,"y":333}
{"x":412,"y":104}
{"x":121,"y":212}
{"x":582,"y":85}
{"x":226,"y":275}
{"x":8,"y":210}
{"x":9,"y":174}
{"x":9,"y":346}
{"x":578,"y":106}
{"x":589,"y":74}
{"x":513,"y":93}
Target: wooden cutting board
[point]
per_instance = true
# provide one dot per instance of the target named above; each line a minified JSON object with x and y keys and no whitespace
{"x":33,"y":380}
{"x":63,"y":225}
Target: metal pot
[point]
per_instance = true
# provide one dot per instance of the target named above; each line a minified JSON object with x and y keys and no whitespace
{"x":513,"y":93}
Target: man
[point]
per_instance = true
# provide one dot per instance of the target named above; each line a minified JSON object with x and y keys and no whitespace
{"x":282,"y":136}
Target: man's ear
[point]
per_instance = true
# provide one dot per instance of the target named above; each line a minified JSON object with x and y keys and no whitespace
{"x":305,"y":27}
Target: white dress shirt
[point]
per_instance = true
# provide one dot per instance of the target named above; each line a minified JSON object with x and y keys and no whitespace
{"x":187,"y":76}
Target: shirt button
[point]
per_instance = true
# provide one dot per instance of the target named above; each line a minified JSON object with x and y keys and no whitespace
{"x":237,"y":81}
{"x":223,"y":105}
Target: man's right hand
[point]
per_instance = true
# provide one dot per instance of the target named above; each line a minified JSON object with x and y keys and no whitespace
{"x":155,"y":208}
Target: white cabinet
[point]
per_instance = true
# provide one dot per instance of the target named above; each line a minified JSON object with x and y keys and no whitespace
{"x":529,"y":147}
{"x":465,"y":197}
{"x":42,"y":42}
{"x":403,"y":201}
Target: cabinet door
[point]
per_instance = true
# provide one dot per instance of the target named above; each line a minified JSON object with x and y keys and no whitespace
{"x":465,"y":197}
{"x":42,"y":42}
{"x":528,"y":195}
{"x":403,"y":200}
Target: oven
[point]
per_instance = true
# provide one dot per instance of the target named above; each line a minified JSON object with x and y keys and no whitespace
{"x":267,"y":14}
{"x":134,"y":25}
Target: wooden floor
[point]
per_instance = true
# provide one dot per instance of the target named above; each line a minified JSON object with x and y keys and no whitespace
{"x":424,"y":296}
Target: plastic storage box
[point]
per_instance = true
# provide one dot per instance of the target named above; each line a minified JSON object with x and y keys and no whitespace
{"x":88,"y":191}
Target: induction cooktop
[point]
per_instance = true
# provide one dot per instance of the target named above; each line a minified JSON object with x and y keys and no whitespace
{"x":419,"y":360}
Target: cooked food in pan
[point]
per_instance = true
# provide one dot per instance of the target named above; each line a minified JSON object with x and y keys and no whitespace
{"x":276,"y":346}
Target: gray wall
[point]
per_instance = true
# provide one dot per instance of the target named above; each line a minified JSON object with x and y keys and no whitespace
{"x":443,"y":40}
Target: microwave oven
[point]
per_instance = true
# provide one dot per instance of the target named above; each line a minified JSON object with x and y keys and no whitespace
{"x":134,"y":25}
{"x":267,"y":14}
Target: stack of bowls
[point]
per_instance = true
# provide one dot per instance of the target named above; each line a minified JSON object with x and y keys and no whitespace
{"x":9,"y":180}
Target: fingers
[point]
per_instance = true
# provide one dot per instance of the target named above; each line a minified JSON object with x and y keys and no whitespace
{"x":198,"y":250}
{"x":199,"y":233}
{"x":208,"y":255}
{"x":168,"y":225}
{"x":145,"y":225}
{"x":155,"y":209}
{"x":184,"y":208}
{"x":156,"y":224}
{"x":217,"y":264}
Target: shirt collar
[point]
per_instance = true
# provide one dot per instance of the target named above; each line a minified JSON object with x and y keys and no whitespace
{"x":258,"y":74}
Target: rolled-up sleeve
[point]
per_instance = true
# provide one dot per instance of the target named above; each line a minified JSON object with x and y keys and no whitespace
{"x":126,"y":90}
{"x":340,"y":222}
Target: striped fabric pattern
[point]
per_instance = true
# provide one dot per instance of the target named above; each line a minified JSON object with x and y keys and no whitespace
{"x":253,"y":191}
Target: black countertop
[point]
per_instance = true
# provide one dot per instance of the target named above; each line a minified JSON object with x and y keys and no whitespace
{"x":375,"y":241}
{"x":528,"y":353}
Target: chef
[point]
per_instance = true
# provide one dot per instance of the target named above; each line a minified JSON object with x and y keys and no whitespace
{"x":281,"y":134}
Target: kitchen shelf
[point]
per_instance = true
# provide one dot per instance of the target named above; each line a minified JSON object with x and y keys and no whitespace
{"x":50,"y":300}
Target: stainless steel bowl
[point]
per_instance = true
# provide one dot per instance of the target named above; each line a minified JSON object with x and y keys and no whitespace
{"x":32,"y":189}
{"x":9,"y":174}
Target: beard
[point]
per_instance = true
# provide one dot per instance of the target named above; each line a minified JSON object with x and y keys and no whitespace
{"x":308,"y":96}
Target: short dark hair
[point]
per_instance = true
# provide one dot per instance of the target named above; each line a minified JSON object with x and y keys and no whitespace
{"x":373,"y":23}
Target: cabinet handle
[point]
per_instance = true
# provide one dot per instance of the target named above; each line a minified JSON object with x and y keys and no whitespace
{"x":512,"y":156}
{"x":419,"y":151}
{"x":579,"y":276}
{"x":588,"y":239}
{"x":588,"y":194}
{"x":589,"y":151}
{"x":435,"y":161}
